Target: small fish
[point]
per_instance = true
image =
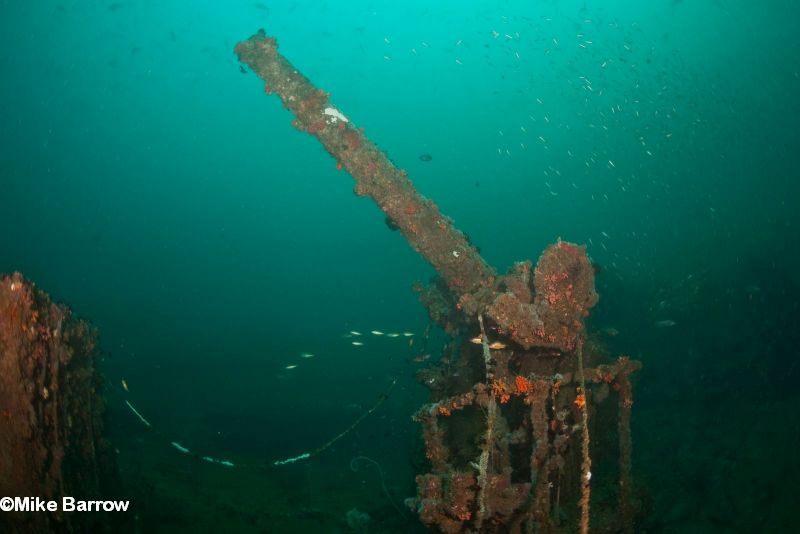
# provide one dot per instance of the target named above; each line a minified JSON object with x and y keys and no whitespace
{"x":393,"y":334}
{"x":425,"y":157}
{"x":355,"y":333}
{"x":611,"y":332}
{"x":356,"y":343}
{"x":242,"y":69}
{"x":477,"y":340}
{"x":290,"y":366}
{"x":408,"y":334}
{"x":306,"y":355}
{"x":420,"y":359}
{"x":124,"y":385}
{"x":376,"y":332}
{"x":666,"y":323}
{"x":497,"y":345}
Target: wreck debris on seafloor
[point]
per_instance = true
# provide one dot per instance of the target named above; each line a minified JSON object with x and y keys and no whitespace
{"x":51,"y":411}
{"x":507,"y":431}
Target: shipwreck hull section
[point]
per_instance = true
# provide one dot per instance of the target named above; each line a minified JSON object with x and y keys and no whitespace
{"x":51,"y":411}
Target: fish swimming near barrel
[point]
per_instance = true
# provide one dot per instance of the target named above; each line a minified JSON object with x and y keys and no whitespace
{"x":425,"y":157}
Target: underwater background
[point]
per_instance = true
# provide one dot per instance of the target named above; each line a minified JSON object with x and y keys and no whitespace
{"x":148,"y":182}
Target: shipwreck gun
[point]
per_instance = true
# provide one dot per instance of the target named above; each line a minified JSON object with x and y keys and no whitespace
{"x":564,"y":280}
{"x":513,"y":474}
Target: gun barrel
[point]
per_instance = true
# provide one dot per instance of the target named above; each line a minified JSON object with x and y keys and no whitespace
{"x":418,"y":219}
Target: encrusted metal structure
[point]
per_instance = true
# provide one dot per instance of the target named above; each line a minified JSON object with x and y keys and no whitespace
{"x":51,"y":412}
{"x":507,"y":431}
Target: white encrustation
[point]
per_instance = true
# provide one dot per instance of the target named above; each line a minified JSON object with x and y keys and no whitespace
{"x":335,"y":115}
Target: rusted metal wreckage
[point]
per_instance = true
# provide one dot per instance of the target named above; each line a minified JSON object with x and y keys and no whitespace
{"x":507,"y":431}
{"x":52,"y":443}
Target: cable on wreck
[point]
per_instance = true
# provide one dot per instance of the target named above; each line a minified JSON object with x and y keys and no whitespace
{"x":304,"y":456}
